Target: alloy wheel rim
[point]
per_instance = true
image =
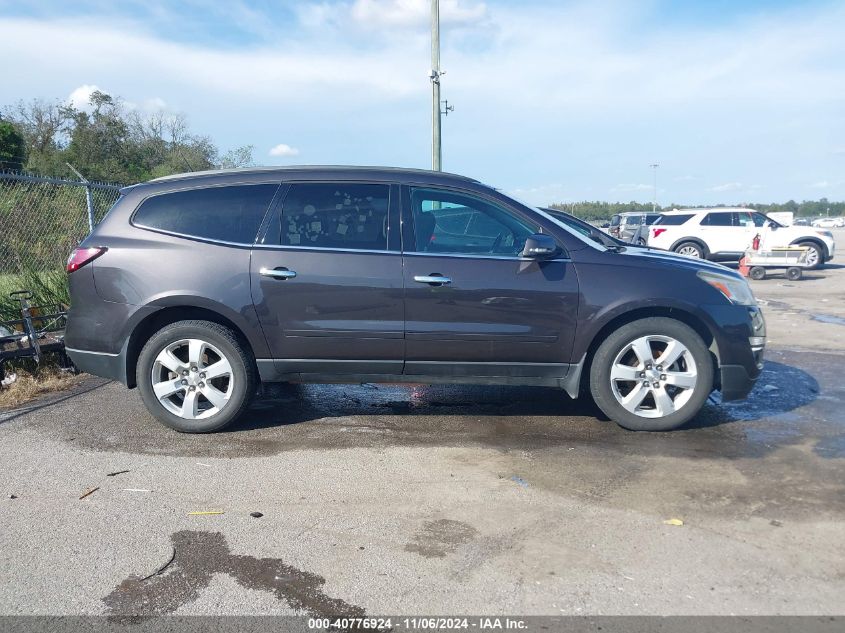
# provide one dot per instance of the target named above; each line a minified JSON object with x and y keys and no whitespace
{"x":192,"y":379}
{"x":690,"y":251}
{"x":653,"y":376}
{"x":812,"y":257}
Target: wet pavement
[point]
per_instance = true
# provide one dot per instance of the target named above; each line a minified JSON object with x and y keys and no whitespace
{"x":387,"y":499}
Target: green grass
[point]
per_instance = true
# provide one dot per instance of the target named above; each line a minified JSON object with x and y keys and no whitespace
{"x":47,"y":287}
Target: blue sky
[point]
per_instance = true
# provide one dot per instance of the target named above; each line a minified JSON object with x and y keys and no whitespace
{"x":554,"y":100}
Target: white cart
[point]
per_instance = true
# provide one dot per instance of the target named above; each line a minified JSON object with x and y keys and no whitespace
{"x":792,"y":258}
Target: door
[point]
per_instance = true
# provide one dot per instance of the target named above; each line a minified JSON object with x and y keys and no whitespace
{"x":327,"y":280}
{"x":473,"y":306}
{"x":723,"y":232}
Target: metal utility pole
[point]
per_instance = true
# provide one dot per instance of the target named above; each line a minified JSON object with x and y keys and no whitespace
{"x":654,"y":166}
{"x":436,"y":150}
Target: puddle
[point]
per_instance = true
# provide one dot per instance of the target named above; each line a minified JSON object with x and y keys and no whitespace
{"x":200,"y":555}
{"x":827,"y":318}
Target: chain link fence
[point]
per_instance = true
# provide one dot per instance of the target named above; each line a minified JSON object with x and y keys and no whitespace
{"x":43,"y":219}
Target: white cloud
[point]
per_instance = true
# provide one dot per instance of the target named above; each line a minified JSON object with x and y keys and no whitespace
{"x":80,"y":98}
{"x":728,"y":186}
{"x":692,"y":90}
{"x":284,"y":150}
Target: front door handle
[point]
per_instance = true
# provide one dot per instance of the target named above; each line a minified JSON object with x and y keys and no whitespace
{"x":277,"y":273}
{"x":434,"y":278}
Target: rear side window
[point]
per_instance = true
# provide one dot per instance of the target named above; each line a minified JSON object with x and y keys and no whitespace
{"x":633,"y":220}
{"x":335,"y":215}
{"x":720,"y":219}
{"x":651,"y":218}
{"x":228,"y":214}
{"x":672,"y":220}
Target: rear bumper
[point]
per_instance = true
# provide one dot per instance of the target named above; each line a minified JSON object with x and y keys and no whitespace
{"x":112,"y":366}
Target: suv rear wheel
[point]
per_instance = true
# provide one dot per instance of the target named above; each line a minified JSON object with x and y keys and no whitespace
{"x":652,"y":375}
{"x":195,"y":376}
{"x":690,"y":249}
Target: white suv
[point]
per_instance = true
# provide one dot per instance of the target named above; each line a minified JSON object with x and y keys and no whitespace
{"x":724,"y":234}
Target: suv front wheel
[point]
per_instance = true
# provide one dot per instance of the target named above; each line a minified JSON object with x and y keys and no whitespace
{"x":195,"y":376}
{"x":652,"y":375}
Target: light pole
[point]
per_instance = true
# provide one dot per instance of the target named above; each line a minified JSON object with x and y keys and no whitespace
{"x":436,"y":151}
{"x":654,"y":166}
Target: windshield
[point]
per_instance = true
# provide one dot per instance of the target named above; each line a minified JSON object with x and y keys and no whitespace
{"x":595,"y":235}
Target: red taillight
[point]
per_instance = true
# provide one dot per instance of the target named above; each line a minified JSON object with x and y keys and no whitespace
{"x":658,"y":231}
{"x":81,"y":256}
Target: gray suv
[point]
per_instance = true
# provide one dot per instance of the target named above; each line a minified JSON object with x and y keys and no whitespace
{"x":197,"y":287}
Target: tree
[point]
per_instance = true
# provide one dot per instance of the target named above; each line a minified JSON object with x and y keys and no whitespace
{"x":12,"y":147}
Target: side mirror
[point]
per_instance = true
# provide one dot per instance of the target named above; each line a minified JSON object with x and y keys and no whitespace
{"x":540,"y":246}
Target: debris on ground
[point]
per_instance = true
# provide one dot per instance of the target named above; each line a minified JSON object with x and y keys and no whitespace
{"x":163,"y":567}
{"x":673,"y":522}
{"x":92,"y":491}
{"x":118,"y":472}
{"x":519,"y":480}
{"x":13,"y":496}
{"x":256,"y":515}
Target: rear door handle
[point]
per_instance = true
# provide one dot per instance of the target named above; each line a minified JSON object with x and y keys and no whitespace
{"x":434,"y":278}
{"x":277,"y":273}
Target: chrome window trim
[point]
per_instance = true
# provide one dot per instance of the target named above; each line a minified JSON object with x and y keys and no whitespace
{"x":207,"y":240}
{"x":512,"y":258}
{"x":279,"y":247}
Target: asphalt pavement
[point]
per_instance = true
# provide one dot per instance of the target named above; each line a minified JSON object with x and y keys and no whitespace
{"x":429,"y":500}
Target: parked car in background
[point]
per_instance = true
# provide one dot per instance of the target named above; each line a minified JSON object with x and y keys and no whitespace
{"x":829,"y":223}
{"x":625,"y":225}
{"x":585,"y":228}
{"x":802,"y":222}
{"x":723,"y":234}
{"x":196,"y":287}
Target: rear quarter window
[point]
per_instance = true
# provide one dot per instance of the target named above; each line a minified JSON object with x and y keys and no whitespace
{"x":228,"y":214}
{"x":672,"y":220}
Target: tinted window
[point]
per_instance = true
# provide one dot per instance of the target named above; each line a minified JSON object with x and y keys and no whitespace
{"x":672,"y":220}
{"x":614,"y":221}
{"x":651,"y":218}
{"x":720,"y":219}
{"x":633,"y":220}
{"x":335,"y":215}
{"x":447,"y":222}
{"x":760,"y":220}
{"x":230,"y":214}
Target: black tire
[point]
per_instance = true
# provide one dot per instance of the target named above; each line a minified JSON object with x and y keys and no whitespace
{"x":616,"y":342}
{"x":243,"y":374}
{"x":692,"y":249}
{"x":757,"y":273}
{"x":793,"y":274}
{"x":819,"y":254}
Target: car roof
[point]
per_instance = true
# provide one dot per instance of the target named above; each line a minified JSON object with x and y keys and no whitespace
{"x":707,"y":210}
{"x":333,"y":171}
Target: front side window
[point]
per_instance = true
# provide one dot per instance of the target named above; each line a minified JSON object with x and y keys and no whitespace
{"x":614,"y":221}
{"x":335,"y":215}
{"x":228,"y":214}
{"x":449,"y":222}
